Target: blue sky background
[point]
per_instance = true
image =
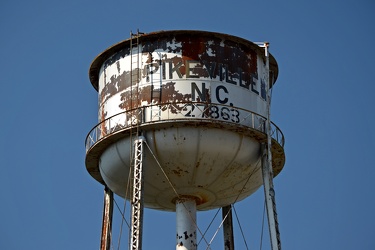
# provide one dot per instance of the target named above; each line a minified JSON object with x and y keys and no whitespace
{"x":323,"y":102}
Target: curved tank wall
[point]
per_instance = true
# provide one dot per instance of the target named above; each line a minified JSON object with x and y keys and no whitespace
{"x":183,"y":68}
{"x":199,"y":98}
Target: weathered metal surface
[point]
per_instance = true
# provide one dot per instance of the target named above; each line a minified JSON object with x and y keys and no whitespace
{"x":267,"y":171}
{"x":269,"y":195}
{"x":186,"y":227}
{"x":184,"y":111}
{"x":228,"y":227}
{"x":251,"y":125}
{"x":155,"y":37}
{"x":217,"y":166}
{"x":200,"y":100}
{"x":183,"y":67}
{"x":105,"y":242}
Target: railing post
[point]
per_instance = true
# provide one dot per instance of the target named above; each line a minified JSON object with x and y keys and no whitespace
{"x":139,"y":115}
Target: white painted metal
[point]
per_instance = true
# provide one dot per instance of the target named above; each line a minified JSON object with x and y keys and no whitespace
{"x":267,"y":170}
{"x":186,"y":217}
{"x":137,"y":199}
{"x":211,"y":158}
{"x":209,"y":163}
{"x":221,"y":90}
{"x":203,"y":115}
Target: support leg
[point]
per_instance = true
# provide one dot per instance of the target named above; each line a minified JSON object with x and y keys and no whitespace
{"x":105,"y":242}
{"x":269,"y":195}
{"x":228,"y":228}
{"x":137,"y":197}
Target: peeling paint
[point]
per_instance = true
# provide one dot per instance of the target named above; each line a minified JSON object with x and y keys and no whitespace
{"x":167,"y":66}
{"x":199,"y":98}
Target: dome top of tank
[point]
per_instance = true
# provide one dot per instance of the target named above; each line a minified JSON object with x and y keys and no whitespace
{"x":179,"y":34}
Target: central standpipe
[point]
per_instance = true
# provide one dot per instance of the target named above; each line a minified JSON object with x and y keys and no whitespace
{"x":186,"y":217}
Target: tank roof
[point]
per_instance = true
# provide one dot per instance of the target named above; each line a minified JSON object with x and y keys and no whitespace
{"x":155,"y":36}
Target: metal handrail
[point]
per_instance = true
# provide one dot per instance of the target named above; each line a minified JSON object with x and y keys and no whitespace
{"x":180,"y":111}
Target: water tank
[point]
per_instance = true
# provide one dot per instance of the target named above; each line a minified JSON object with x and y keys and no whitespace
{"x":199,"y":99}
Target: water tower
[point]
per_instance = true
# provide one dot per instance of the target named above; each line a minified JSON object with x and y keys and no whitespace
{"x":184,"y":126}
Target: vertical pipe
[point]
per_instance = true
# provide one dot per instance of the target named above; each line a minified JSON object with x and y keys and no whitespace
{"x":228,"y":228}
{"x":105,"y":241}
{"x":186,"y":213}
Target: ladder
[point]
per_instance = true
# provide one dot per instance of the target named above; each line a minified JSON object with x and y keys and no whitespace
{"x":134,"y":59}
{"x":137,"y":163}
{"x":135,"y":75}
{"x":156,"y":88}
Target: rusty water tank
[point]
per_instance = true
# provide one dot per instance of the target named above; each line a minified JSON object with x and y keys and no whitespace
{"x":200,"y":100}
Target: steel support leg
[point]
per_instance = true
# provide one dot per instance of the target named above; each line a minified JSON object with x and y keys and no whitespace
{"x":267,"y":170}
{"x":228,"y":228}
{"x":137,"y":197}
{"x":105,"y":241}
{"x":269,"y":194}
{"x":186,"y":213}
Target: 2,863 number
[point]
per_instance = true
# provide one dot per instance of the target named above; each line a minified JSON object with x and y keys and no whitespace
{"x":214,"y":112}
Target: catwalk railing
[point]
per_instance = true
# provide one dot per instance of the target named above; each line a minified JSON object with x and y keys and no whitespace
{"x":182,"y":111}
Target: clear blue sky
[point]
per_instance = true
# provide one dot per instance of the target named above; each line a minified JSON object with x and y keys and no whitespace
{"x":323,"y":101}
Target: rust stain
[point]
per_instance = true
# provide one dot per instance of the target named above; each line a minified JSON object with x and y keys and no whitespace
{"x":179,"y":171}
{"x":200,"y":56}
{"x":149,"y":57}
{"x":133,"y":98}
{"x":197,"y":164}
{"x":233,"y":55}
{"x":163,"y":40}
{"x":103,"y":128}
{"x":117,"y":56}
{"x":199,"y":198}
{"x":209,"y":52}
{"x":117,"y":83}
